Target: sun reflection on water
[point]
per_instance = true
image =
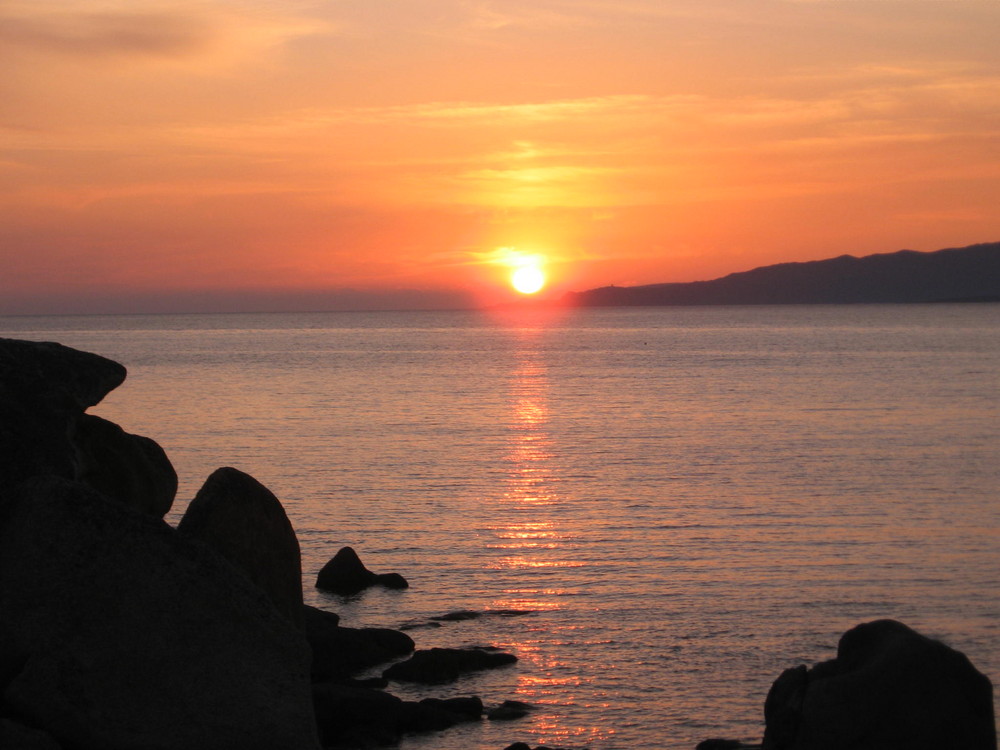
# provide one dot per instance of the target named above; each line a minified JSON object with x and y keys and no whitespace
{"x":532,"y":544}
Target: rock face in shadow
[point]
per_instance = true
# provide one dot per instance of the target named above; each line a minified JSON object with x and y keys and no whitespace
{"x":345,"y":574}
{"x":243,"y":520}
{"x":44,"y":389}
{"x":129,"y":469}
{"x":889,"y":688}
{"x":117,"y":632}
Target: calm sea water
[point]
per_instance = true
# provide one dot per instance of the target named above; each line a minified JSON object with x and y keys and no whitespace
{"x":685,"y":501}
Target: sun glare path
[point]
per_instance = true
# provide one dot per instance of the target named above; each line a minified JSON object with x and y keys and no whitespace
{"x":527,"y":279}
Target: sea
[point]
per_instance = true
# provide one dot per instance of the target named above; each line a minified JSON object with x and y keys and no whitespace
{"x":657,"y":510}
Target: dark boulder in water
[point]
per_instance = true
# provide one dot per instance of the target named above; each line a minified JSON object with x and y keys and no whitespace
{"x":356,"y":717}
{"x":243,"y":520}
{"x":441,"y":665}
{"x":118,"y":632}
{"x":509,"y":710}
{"x":345,"y":574}
{"x":890,"y":688}
{"x":339,"y":652}
{"x":44,"y":389}
{"x":129,"y":469}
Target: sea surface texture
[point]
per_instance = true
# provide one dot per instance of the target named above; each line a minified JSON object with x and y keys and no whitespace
{"x":658,"y":510}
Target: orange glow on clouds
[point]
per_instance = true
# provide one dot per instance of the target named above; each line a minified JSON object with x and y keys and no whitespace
{"x":314,"y":151}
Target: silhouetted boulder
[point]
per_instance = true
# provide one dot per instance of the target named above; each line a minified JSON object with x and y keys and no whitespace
{"x":44,"y":389}
{"x":339,"y":652}
{"x":889,"y":688}
{"x":441,"y":665}
{"x":117,"y":632}
{"x":356,"y":717}
{"x":240,"y":518}
{"x":345,"y":574}
{"x":129,"y":469}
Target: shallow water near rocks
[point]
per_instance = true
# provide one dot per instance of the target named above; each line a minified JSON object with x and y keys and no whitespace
{"x":658,"y":510}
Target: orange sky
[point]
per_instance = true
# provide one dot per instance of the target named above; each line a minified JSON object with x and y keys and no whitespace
{"x":251,"y":154}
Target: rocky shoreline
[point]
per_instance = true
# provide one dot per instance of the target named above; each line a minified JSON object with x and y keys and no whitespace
{"x":121,"y":632}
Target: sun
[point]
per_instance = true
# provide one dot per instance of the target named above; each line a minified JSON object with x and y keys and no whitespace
{"x":527,"y":279}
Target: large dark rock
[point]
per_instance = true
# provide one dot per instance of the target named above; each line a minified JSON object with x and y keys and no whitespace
{"x":889,"y":688}
{"x":441,"y":665}
{"x":339,"y":652}
{"x":356,"y":717}
{"x":44,"y":388}
{"x":239,"y":517}
{"x":345,"y":574}
{"x":130,"y":469}
{"x":117,"y":632}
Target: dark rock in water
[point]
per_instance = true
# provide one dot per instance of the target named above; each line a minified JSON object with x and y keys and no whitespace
{"x":240,"y":518}
{"x":889,"y":688}
{"x":118,"y":632}
{"x":716,"y":744}
{"x":469,"y":709}
{"x":509,"y":710}
{"x":356,"y":717}
{"x":345,"y":574}
{"x":441,"y":665}
{"x":130,"y":469}
{"x":338,"y":652}
{"x":458,"y":616}
{"x":518,"y":746}
{"x":44,"y":389}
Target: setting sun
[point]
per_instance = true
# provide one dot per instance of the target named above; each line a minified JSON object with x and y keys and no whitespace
{"x":527,"y":279}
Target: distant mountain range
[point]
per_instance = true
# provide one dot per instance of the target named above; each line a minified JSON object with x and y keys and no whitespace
{"x":964,"y":274}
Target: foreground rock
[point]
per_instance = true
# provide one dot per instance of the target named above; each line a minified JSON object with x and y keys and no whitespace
{"x":345,"y":574}
{"x":441,"y":665}
{"x":44,"y":389}
{"x":117,"y":632}
{"x":240,"y":518}
{"x":889,"y":688}
{"x":130,"y":469}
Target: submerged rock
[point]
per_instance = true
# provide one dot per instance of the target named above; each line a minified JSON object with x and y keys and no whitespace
{"x":345,"y":574}
{"x":441,"y":665}
{"x":509,"y":710}
{"x":117,"y":632}
{"x":889,"y":688}
{"x":243,"y":520}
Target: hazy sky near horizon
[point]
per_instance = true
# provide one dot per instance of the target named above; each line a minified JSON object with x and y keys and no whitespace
{"x":247,"y":154}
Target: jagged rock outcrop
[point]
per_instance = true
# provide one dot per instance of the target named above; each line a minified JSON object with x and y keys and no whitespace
{"x":243,"y":520}
{"x":118,"y":632}
{"x":345,"y":574}
{"x":890,"y":688}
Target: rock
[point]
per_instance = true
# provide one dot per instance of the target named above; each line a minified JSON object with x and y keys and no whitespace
{"x":509,"y":710}
{"x":19,"y":737}
{"x":338,"y":652}
{"x":716,"y":744}
{"x":129,"y":469}
{"x":240,"y":518}
{"x":118,"y":632}
{"x":469,"y":709}
{"x":518,"y":746}
{"x":889,"y":688}
{"x":356,"y":717}
{"x":458,"y":615}
{"x":44,"y":389}
{"x":345,"y":574}
{"x":441,"y":665}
